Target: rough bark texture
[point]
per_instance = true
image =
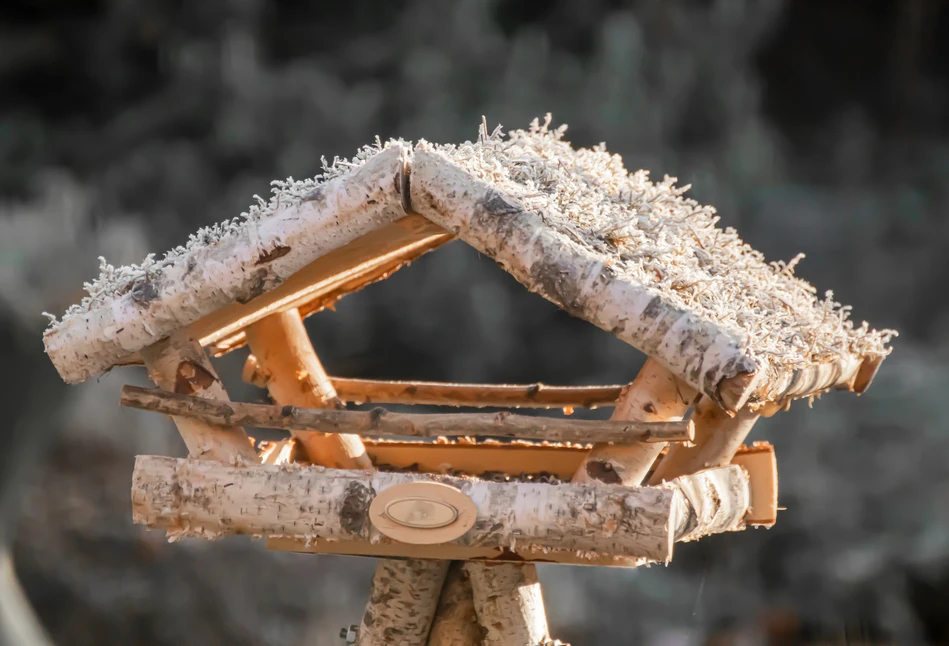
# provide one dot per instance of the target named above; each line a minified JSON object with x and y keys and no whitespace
{"x":695,"y":350}
{"x":654,"y":396}
{"x":188,"y":497}
{"x":399,"y":611}
{"x":236,"y":268}
{"x":509,"y":603}
{"x":370,"y":391}
{"x":295,"y":377}
{"x":714,"y":501}
{"x":707,"y":356}
{"x":456,"y":623}
{"x":382,"y":422}
{"x":718,"y":436}
{"x":180,"y":365}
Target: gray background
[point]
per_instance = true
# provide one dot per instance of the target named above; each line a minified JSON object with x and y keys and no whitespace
{"x":812,"y":126}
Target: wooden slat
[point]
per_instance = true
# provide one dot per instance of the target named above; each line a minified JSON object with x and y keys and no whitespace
{"x":375,"y":391}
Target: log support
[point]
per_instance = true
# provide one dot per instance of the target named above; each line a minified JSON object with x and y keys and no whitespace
{"x":295,"y":377}
{"x":509,"y":603}
{"x":456,"y":623}
{"x":718,"y":436}
{"x":399,"y":609}
{"x":654,"y":396}
{"x":179,"y":365}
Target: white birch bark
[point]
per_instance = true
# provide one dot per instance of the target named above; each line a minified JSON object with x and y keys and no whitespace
{"x":199,"y":498}
{"x":509,"y":603}
{"x":180,"y":365}
{"x":400,"y":609}
{"x":706,"y":356}
{"x":456,"y":623}
{"x":235,"y":268}
{"x":654,"y":396}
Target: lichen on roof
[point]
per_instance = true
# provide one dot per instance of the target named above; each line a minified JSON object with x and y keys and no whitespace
{"x":672,"y":245}
{"x":112,"y":282}
{"x":647,"y":232}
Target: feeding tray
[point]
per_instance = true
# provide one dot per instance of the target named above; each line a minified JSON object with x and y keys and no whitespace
{"x":729,"y":338}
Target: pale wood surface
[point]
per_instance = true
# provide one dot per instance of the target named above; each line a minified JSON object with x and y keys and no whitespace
{"x":381,"y":422}
{"x":508,"y":603}
{"x":655,"y":397}
{"x":375,"y":391}
{"x":718,"y":436}
{"x":399,"y":609}
{"x":180,"y":365}
{"x":295,"y":376}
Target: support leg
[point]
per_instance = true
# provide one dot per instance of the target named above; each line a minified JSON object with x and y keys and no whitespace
{"x":717,"y":438}
{"x":179,"y":364}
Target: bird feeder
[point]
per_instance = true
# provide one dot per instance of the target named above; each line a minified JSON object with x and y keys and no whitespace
{"x":460,"y":506}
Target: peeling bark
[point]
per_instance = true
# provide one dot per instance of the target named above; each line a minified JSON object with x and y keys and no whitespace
{"x":207,"y":499}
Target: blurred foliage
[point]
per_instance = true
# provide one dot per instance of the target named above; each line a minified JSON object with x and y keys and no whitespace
{"x":815,"y":127}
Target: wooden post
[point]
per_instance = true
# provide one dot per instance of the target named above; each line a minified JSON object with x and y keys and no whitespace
{"x":402,"y":602}
{"x":718,"y":436}
{"x":456,"y":623}
{"x":180,"y":365}
{"x":404,"y":593}
{"x":295,"y":376}
{"x":656,"y":396}
{"x":509,"y":603}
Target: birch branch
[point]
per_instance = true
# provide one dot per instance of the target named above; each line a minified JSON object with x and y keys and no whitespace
{"x":382,"y":422}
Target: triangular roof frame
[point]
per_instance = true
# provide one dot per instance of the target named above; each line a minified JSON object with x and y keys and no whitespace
{"x":398,"y":203}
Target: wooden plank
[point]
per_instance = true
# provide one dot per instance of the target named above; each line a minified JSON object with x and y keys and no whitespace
{"x":375,"y":391}
{"x":381,"y":422}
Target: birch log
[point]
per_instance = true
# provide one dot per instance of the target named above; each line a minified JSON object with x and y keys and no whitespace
{"x":240,"y":266}
{"x":294,"y":376}
{"x":382,"y":422}
{"x":404,"y":594}
{"x":654,"y":396}
{"x":509,"y":603}
{"x":400,"y":609}
{"x":201,"y":498}
{"x":718,"y":436}
{"x":180,"y":365}
{"x":456,"y":623}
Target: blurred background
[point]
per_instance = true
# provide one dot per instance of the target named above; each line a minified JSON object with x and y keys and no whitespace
{"x":812,"y":126}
